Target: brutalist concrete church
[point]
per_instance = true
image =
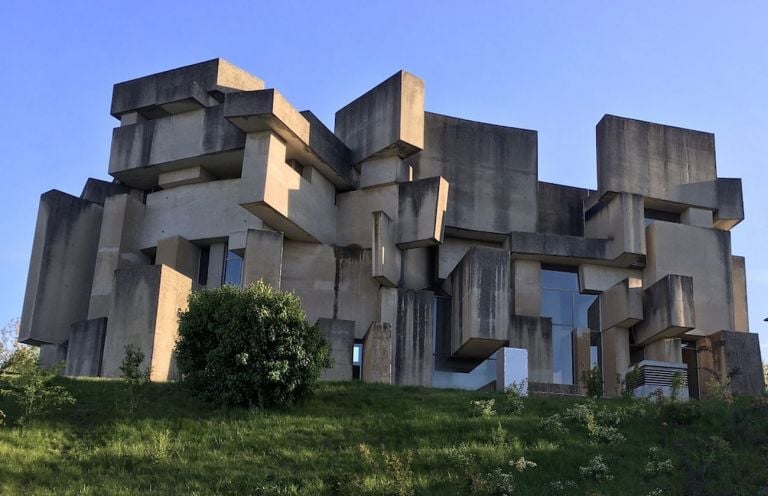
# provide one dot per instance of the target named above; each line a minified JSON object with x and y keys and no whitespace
{"x":423,"y":245}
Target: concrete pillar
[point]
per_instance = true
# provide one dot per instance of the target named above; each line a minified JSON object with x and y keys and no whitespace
{"x":526,"y":286}
{"x":615,"y":344}
{"x":85,"y":348}
{"x":739,"y":285}
{"x":216,"y":255}
{"x":377,"y":353}
{"x":581,"y":358}
{"x":340,"y":335}
{"x":263,"y":258}
{"x":180,"y":255}
{"x":664,"y":350}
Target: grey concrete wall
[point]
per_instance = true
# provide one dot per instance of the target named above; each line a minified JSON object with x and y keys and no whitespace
{"x":97,"y":191}
{"x":615,"y":359}
{"x":561,"y":209}
{"x":388,"y":120}
{"x":480,"y":286}
{"x":453,"y":249}
{"x":421,"y":212}
{"x":742,"y":360}
{"x":377,"y":353}
{"x":526,"y":287}
{"x":355,"y":209}
{"x":535,"y":335}
{"x":180,"y":255}
{"x":386,"y":256}
{"x":263,"y":258}
{"x":668,"y":309}
{"x":622,"y":304}
{"x":651,"y":159}
{"x":309,"y":270}
{"x":599,"y":278}
{"x":356,"y":293}
{"x":340,"y":335}
{"x":739,"y":285}
{"x":492,"y":171}
{"x":85,"y":348}
{"x":383,"y":171}
{"x":619,"y":219}
{"x":412,"y":328}
{"x":61,"y":267}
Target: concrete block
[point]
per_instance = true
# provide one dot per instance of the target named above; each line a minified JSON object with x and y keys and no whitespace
{"x":386,"y":121}
{"x":581,"y":354}
{"x":354,"y":213}
{"x":668,"y":310}
{"x":263,"y":258}
{"x":512,"y":369}
{"x":651,"y":159}
{"x":53,"y":355}
{"x":217,"y":253}
{"x":418,"y":268}
{"x":705,"y":256}
{"x":452,"y":250}
{"x":200,"y":138}
{"x":598,"y":278}
{"x":696,"y":217}
{"x":180,"y":177}
{"x":383,"y":171}
{"x":615,"y":362}
{"x":739,"y":285}
{"x":377,"y":353}
{"x":735,"y":355}
{"x":619,"y":219}
{"x":664,"y":350}
{"x":309,"y":270}
{"x":526,"y":287}
{"x":61,"y":267}
{"x":421,"y":212}
{"x":533,"y":334}
{"x":386,"y":256}
{"x":97,"y":191}
{"x":492,"y":171}
{"x":180,"y":255}
{"x":730,"y":203}
{"x":411,"y":316}
{"x":555,"y":249}
{"x":340,"y":335}
{"x":561,"y":209}
{"x":304,"y":210}
{"x":622,"y":304}
{"x":480,"y":294}
{"x":356,"y":293}
{"x":306,"y":138}
{"x":144,"y":313}
{"x":85,"y":348}
{"x":118,"y":247}
{"x":180,"y":89}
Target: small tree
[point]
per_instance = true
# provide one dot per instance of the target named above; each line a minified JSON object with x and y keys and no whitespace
{"x":249,"y":346}
{"x":134,"y":375}
{"x":32,"y":387}
{"x":593,"y":382}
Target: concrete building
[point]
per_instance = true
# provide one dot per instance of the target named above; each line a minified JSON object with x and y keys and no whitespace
{"x":423,"y":245}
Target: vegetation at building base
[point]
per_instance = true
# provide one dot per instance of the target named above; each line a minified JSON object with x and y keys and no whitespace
{"x":249,"y":346}
{"x":355,"y":438}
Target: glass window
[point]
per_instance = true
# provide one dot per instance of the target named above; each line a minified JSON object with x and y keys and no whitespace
{"x":233,"y":269}
{"x":559,"y":279}
{"x":558,"y":305}
{"x":562,"y":355}
{"x":582,"y":302}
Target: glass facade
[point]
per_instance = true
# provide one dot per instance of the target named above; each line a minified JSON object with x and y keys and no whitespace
{"x":569,"y":310}
{"x":233,"y":269}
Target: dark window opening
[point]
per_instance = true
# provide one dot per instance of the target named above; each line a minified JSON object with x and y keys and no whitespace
{"x":202,"y":271}
{"x":233,"y":269}
{"x":357,"y":360}
{"x":304,"y":171}
{"x":652,"y":214}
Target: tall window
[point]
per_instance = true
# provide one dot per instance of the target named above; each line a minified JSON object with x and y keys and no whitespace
{"x":233,"y":269}
{"x":561,"y":300}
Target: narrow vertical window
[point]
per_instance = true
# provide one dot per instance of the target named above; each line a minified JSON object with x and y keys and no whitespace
{"x":233,"y":269}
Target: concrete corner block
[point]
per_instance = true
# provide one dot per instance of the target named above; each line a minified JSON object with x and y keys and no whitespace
{"x":386,"y":121}
{"x":512,"y":369}
{"x":735,"y":355}
{"x":598,"y":278}
{"x":263,"y":258}
{"x":411,"y":314}
{"x":668,"y":309}
{"x":386,"y":256}
{"x":618,"y":218}
{"x":182,"y":177}
{"x":340,"y":335}
{"x":421,"y":212}
{"x":480,"y":286}
{"x":377,"y":353}
{"x":144,"y":313}
{"x":383,"y":171}
{"x":730,"y":203}
{"x":85,"y":348}
{"x":533,"y":334}
{"x":180,"y":255}
{"x":622,"y":304}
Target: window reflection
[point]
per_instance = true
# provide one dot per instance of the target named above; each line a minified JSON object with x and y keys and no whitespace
{"x":233,"y":269}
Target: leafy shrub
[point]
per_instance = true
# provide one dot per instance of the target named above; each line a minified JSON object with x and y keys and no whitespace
{"x":134,"y":376}
{"x":391,"y":471}
{"x":657,"y":464}
{"x":629,"y":382}
{"x":719,"y":389}
{"x":553,"y":424}
{"x":514,"y":404}
{"x":482,"y":408}
{"x":678,"y":382}
{"x":596,"y":470}
{"x":593,"y":381}
{"x":249,"y":346}
{"x":30,"y":386}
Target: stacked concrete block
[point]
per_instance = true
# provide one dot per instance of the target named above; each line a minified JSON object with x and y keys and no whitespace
{"x":428,"y":238}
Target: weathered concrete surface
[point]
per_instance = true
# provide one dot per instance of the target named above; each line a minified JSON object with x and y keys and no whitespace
{"x":355,"y":209}
{"x":619,"y":219}
{"x":217,"y":253}
{"x":418,"y":267}
{"x":180,"y":255}
{"x":119,"y":247}
{"x":411,"y":315}
{"x":53,"y":355}
{"x":307,"y":139}
{"x":702,"y":254}
{"x":453,"y":249}
{"x":480,"y":294}
{"x":739,"y":285}
{"x":85,"y":348}
{"x":526,"y":287}
{"x":735,"y":355}
{"x":340,"y":335}
{"x":492,"y":171}
{"x":622,"y":304}
{"x":651,"y":159}
{"x":181,"y":89}
{"x":144,"y":313}
{"x":421,"y":212}
{"x":554,"y":248}
{"x":377,"y":353}
{"x":668,"y":310}
{"x":383,"y":171}
{"x":615,"y":362}
{"x":356,"y":293}
{"x":561,"y":209}
{"x":598,"y":278}
{"x":696,"y":217}
{"x":263,"y":258}
{"x":386,"y":256}
{"x":303,"y":208}
{"x":664,"y":350}
{"x":61,"y":267}
{"x":581,"y":354}
{"x":181,"y":177}
{"x":535,"y":335}
{"x":97,"y":191}
{"x":309,"y":270}
{"x":386,"y":121}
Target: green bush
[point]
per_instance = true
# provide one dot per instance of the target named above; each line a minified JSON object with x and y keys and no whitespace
{"x":249,"y":346}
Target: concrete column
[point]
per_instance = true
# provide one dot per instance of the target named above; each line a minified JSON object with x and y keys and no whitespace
{"x":86,"y":348}
{"x":580,"y":356}
{"x":739,"y":285}
{"x":263,"y":258}
{"x":664,"y":350}
{"x":180,"y":255}
{"x":341,"y":339}
{"x":615,"y":358}
{"x":526,"y":285}
{"x":377,"y":353}
{"x":216,"y":254}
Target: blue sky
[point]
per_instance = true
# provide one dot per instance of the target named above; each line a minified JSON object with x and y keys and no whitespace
{"x":555,"y":67}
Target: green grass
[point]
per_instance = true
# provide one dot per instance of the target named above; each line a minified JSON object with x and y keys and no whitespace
{"x":175,"y":443}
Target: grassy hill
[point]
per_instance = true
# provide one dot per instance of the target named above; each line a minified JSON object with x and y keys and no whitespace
{"x":354,"y":438}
